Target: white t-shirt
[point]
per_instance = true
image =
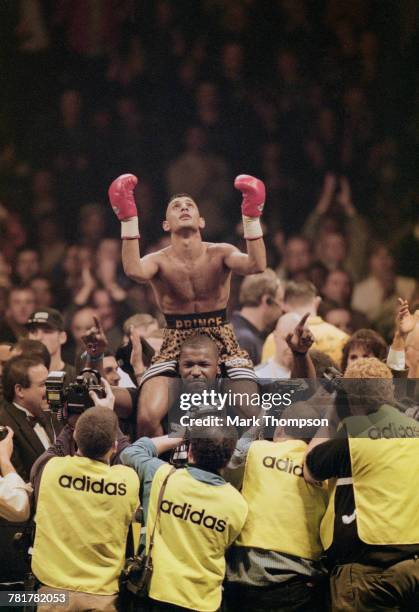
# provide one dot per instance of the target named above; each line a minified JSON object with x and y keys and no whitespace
{"x":272,"y":369}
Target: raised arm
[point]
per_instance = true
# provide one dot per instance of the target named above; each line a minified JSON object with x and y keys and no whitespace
{"x":252,"y":262}
{"x":121,"y":196}
{"x":300,"y":342}
{"x":404,"y":324}
{"x":253,"y":191}
{"x":312,"y":223}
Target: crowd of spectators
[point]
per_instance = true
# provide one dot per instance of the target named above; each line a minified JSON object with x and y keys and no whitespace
{"x":318,"y":99}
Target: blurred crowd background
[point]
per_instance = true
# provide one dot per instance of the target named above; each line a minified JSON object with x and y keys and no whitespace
{"x":320,"y":99}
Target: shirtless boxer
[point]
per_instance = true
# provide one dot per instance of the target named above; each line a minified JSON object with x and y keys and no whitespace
{"x":191,"y":283}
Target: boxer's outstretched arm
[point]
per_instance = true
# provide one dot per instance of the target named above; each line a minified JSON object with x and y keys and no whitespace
{"x":121,"y":196}
{"x":253,"y":192}
{"x":251,"y":263}
{"x":140,"y":270}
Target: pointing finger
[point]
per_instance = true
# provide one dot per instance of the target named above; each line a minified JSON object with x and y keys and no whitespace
{"x":303,"y":320}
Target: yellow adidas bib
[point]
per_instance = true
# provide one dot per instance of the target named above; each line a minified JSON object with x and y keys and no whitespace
{"x":384,"y":450}
{"x":198,"y":522}
{"x":84,"y":509}
{"x":284,"y":511}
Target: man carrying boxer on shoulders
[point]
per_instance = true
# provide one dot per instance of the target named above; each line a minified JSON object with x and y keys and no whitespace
{"x":191,"y":283}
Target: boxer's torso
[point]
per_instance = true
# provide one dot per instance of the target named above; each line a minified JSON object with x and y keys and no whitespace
{"x":188,"y":285}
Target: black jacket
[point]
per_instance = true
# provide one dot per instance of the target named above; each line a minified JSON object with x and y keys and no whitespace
{"x":27,"y":447}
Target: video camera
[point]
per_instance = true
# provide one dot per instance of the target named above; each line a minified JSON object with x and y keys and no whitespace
{"x":73,"y":398}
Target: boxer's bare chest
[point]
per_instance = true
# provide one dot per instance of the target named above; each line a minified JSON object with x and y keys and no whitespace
{"x":192,"y":284}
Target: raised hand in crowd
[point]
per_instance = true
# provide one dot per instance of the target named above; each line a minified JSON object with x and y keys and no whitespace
{"x":88,"y":285}
{"x":106,"y":273}
{"x":344,"y":197}
{"x":405,"y":321}
{"x":301,"y":340}
{"x":326,"y":196}
{"x":95,"y":340}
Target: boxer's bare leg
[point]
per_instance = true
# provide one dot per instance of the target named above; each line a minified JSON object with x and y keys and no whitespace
{"x":153,"y":405}
{"x":244,"y":389}
{"x":123,"y":403}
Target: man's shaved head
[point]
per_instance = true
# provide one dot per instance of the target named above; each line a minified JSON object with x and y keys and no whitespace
{"x":200,"y":341}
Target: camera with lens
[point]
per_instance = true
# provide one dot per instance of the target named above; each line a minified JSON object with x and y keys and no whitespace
{"x":179,"y":455}
{"x":3,"y":432}
{"x":73,"y":398}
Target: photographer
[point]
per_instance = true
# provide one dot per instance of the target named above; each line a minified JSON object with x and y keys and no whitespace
{"x":66,"y":443}
{"x":275,"y":562}
{"x":190,"y":544}
{"x":200,"y":517}
{"x":370,"y":531}
{"x":84,"y":506}
{"x":14,"y":492}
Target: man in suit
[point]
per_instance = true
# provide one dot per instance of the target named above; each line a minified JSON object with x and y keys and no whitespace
{"x":25,"y":411}
{"x":35,"y":429}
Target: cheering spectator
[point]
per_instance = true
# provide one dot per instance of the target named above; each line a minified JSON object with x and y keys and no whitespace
{"x":300,"y":298}
{"x":338,"y":249}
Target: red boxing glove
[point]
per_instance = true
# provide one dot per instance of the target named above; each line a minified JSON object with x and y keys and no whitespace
{"x":254,"y":193}
{"x":121,"y":196}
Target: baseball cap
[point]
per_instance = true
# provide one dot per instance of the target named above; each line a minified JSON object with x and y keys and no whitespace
{"x":47,"y":316}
